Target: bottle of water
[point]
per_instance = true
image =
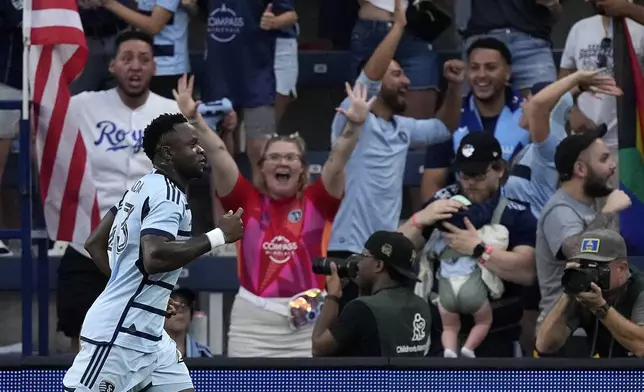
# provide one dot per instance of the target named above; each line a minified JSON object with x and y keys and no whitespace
{"x":199,"y":327}
{"x":214,"y":111}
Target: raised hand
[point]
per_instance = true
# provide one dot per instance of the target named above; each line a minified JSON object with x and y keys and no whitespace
{"x":183,"y":95}
{"x":454,"y":71}
{"x":232,"y":226}
{"x":596,"y":82}
{"x":359,"y":106}
{"x":400,"y":13}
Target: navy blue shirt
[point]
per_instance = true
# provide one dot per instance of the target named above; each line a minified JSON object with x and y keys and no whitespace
{"x":11,"y":44}
{"x":522,"y":228}
{"x":101,"y":19}
{"x":239,"y":55}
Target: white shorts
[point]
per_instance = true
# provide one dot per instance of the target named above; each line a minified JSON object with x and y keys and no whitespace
{"x":286,"y":66}
{"x":111,"y":368}
{"x":9,"y":118}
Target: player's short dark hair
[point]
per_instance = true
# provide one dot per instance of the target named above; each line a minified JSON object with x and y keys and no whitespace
{"x":493,"y":44}
{"x":133,"y":35}
{"x":158,"y":127}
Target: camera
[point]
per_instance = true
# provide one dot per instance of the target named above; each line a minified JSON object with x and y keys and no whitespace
{"x":347,"y":268}
{"x":578,"y":280}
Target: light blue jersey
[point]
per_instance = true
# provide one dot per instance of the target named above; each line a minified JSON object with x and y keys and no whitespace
{"x":534,"y":178}
{"x":374,"y":173}
{"x":130,"y":312}
{"x":171,"y":43}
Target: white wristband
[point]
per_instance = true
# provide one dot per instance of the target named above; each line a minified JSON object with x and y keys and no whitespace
{"x":216,"y":238}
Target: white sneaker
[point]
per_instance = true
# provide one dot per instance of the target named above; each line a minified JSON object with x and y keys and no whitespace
{"x":4,"y":250}
{"x":58,"y":249}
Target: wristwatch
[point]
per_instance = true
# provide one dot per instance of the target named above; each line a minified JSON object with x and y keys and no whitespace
{"x":602,"y":311}
{"x":479,"y":250}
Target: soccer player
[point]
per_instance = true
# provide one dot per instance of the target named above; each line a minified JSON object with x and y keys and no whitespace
{"x":143,"y":243}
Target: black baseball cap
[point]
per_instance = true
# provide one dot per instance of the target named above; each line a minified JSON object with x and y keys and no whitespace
{"x":395,"y":250}
{"x":570,"y":148}
{"x":475,"y":153}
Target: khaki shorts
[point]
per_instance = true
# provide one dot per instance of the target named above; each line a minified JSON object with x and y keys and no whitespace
{"x":9,"y":118}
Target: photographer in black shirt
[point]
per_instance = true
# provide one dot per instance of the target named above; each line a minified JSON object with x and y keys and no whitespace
{"x":391,"y":321}
{"x":602,"y":296}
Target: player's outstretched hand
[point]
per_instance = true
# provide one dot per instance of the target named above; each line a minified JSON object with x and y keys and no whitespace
{"x":232,"y":225}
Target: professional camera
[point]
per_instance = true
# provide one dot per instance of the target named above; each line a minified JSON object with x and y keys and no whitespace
{"x":347,"y":268}
{"x":578,"y":280}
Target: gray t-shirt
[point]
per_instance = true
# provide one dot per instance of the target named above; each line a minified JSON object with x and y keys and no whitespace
{"x":560,"y":218}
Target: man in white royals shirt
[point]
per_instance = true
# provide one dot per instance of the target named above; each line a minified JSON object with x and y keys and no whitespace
{"x":112,"y":124}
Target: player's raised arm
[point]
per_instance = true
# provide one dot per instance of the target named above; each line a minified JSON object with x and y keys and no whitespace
{"x":96,"y":244}
{"x":162,"y":253}
{"x":224,"y":168}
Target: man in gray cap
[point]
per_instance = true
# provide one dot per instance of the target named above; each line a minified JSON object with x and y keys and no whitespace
{"x":388,"y":320}
{"x":610,"y":308}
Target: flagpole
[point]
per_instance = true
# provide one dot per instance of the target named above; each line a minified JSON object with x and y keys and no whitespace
{"x":25,"y":187}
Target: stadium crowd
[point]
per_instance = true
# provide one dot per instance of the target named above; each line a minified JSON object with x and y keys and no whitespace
{"x":520,"y":182}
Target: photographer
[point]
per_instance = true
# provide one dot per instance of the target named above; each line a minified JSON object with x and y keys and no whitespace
{"x":391,"y":321}
{"x":602,"y":296}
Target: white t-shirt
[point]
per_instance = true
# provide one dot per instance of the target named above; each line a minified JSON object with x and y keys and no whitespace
{"x":113,"y":136}
{"x":582,"y":51}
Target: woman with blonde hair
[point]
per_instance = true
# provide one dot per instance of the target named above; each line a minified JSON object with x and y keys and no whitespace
{"x":286,"y":224}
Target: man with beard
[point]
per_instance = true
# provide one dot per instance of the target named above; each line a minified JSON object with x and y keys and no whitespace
{"x":374,"y":174}
{"x":480,"y":167}
{"x":111,"y":123}
{"x":585,"y":168}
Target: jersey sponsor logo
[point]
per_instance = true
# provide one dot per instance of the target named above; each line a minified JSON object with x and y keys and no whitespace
{"x":224,"y":24}
{"x":106,"y":386}
{"x":115,"y":139}
{"x":279,"y":249}
{"x":295,"y":216}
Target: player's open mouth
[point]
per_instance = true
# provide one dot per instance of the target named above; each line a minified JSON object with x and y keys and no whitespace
{"x":135,"y":80}
{"x":282,"y":176}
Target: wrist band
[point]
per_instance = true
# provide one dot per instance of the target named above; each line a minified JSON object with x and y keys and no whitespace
{"x":486,"y":254}
{"x":216,"y":238}
{"x":414,"y":222}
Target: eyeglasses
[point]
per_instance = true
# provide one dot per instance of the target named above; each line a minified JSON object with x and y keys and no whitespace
{"x":604,"y":52}
{"x":277,"y":157}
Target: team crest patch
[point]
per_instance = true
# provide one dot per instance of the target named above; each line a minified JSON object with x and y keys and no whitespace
{"x":106,"y":386}
{"x":295,"y":216}
{"x":590,"y":245}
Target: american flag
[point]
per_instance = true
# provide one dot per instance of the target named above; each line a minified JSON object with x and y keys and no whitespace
{"x":57,"y":55}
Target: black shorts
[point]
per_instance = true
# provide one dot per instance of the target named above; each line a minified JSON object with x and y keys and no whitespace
{"x":80,"y":282}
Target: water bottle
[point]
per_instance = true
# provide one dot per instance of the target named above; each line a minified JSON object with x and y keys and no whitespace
{"x":214,"y":111}
{"x":199,"y":327}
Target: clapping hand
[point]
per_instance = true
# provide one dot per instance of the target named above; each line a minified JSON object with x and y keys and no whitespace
{"x":595,"y":82}
{"x":359,"y":106}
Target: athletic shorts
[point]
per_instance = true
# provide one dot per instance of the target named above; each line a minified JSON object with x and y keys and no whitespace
{"x":111,"y":368}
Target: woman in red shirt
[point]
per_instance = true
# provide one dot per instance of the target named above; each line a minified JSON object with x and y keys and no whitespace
{"x":286,"y":224}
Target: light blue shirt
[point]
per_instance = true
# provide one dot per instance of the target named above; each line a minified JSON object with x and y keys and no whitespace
{"x":130,"y":312}
{"x":171,"y":43}
{"x":375,"y":171}
{"x":534,"y":178}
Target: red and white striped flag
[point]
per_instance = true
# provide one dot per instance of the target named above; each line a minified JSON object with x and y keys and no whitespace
{"x":57,"y":54}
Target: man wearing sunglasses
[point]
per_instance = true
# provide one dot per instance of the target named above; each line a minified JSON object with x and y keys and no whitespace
{"x":481,"y":169}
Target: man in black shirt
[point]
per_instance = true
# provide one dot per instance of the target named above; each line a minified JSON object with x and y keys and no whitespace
{"x":391,"y":321}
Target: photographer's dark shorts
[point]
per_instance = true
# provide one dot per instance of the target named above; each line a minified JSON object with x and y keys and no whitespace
{"x":80,"y":282}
